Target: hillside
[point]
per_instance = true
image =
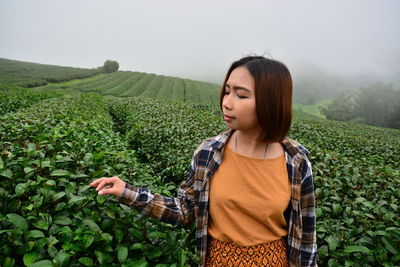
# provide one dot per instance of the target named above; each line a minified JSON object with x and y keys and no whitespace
{"x":128,"y":84}
{"x":29,"y":74}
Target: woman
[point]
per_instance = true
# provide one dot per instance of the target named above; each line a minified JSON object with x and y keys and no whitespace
{"x":250,"y":189}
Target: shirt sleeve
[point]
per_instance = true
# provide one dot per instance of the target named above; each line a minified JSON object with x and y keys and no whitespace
{"x":309,"y":236}
{"x":173,"y":210}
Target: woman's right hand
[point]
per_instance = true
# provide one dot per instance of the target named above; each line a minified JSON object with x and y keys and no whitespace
{"x":109,"y":186}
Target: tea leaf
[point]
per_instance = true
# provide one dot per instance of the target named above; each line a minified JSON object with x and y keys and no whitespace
{"x":34,"y":234}
{"x":42,"y":263}
{"x":18,"y":221}
{"x":122,"y":254}
{"x":29,"y":258}
{"x":350,"y":249}
{"x":6,"y":173}
{"x":60,"y":173}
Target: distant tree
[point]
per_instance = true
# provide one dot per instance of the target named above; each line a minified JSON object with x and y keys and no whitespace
{"x":340,"y":109}
{"x":110,"y":66}
{"x":377,"y":103}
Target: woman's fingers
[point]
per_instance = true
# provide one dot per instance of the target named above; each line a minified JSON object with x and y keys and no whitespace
{"x":107,"y":191}
{"x":116,"y":186}
{"x":95,"y":182}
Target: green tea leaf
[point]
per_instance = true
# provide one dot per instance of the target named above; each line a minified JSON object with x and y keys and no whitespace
{"x":1,"y":164}
{"x":350,"y":249}
{"x":156,"y":234}
{"x":62,"y":220}
{"x":74,"y":199}
{"x":333,"y":242}
{"x":6,"y":173}
{"x":92,"y":225}
{"x":122,"y":254}
{"x":50,"y":182}
{"x":20,"y":189}
{"x":42,"y":263}
{"x":140,"y":263}
{"x":29,"y":258}
{"x":62,"y":258}
{"x":28,"y":170}
{"x":60,"y":173}
{"x":34,"y":234}
{"x":52,"y":251}
{"x":87,"y":241}
{"x":107,"y":237}
{"x":110,"y":213}
{"x":45,"y":164}
{"x":18,"y":221}
{"x":58,"y":196}
{"x":102,"y":257}
{"x":182,"y":257}
{"x":137,"y":246}
{"x":119,"y":234}
{"x":390,"y":245}
{"x":86,"y":261}
{"x":8,"y":262}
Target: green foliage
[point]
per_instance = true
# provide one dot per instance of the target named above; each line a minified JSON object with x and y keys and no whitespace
{"x":110,"y":66}
{"x":340,"y":109}
{"x":50,"y":153}
{"x":13,"y":98}
{"x":127,"y":83}
{"x":374,"y":105}
{"x":52,"y":149}
{"x":28,"y":74}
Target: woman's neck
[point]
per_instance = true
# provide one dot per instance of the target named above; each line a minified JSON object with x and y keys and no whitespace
{"x":247,"y":143}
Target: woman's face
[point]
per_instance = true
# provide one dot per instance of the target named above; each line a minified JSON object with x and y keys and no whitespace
{"x":239,"y":102}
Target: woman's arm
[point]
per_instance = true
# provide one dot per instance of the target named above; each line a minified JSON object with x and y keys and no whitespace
{"x":309,"y":236}
{"x":173,"y":210}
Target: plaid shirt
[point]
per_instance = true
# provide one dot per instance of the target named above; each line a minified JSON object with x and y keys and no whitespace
{"x":192,"y":202}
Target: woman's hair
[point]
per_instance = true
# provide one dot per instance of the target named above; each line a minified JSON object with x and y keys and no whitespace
{"x":273,"y":93}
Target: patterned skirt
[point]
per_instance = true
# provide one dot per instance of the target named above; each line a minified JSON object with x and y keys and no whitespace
{"x":220,"y":253}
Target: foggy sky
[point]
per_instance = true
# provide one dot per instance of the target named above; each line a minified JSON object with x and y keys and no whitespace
{"x":200,"y":39}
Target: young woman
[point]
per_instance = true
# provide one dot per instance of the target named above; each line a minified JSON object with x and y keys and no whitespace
{"x":250,"y":189}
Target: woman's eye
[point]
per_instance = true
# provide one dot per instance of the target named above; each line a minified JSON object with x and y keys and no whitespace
{"x":242,"y":96}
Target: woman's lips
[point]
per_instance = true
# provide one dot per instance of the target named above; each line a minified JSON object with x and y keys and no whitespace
{"x":228,"y":118}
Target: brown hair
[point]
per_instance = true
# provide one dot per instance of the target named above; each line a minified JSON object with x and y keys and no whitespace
{"x":273,"y":93}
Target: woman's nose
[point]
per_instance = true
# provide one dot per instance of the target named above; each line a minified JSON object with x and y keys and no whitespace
{"x":226,"y":102}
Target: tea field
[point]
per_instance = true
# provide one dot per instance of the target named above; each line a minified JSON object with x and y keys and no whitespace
{"x":54,"y":142}
{"x":30,"y":74}
{"x":128,"y":83}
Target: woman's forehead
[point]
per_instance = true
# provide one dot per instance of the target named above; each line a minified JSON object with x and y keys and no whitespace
{"x":241,"y":77}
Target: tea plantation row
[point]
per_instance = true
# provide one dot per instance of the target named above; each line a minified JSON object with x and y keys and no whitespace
{"x":33,"y":74}
{"x":127,"y":83}
{"x":53,"y":149}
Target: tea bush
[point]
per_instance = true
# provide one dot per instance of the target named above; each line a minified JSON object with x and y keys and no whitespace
{"x":54,"y":148}
{"x":49,"y":217}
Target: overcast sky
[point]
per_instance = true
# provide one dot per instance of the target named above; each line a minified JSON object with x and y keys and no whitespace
{"x":200,"y":39}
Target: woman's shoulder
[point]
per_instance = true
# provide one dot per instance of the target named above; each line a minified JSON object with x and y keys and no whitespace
{"x":294,"y":147}
{"x":215,"y":142}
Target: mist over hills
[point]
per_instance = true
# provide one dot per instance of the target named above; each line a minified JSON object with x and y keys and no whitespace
{"x":311,"y":82}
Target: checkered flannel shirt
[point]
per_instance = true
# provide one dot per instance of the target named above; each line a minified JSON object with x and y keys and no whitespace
{"x":192,"y":201}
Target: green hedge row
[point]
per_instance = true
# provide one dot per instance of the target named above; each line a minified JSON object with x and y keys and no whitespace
{"x":50,"y":216}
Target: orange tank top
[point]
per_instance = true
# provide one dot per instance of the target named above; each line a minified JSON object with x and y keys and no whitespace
{"x":248,"y":197}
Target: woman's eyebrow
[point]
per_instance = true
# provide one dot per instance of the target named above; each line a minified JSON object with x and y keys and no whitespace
{"x":238,"y":88}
